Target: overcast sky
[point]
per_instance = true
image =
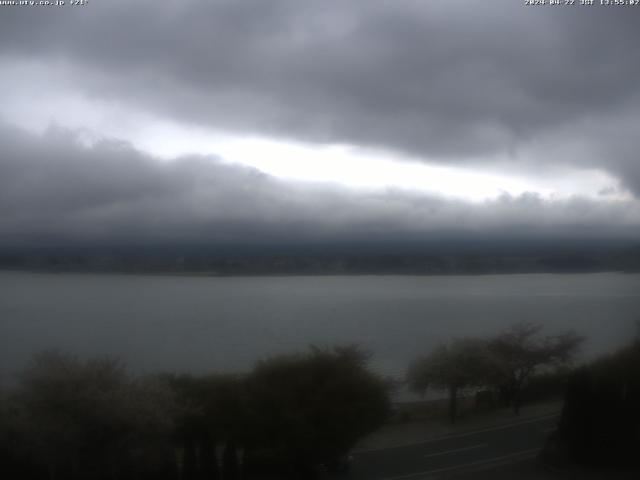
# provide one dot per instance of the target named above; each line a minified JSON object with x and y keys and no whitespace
{"x":226,"y":121}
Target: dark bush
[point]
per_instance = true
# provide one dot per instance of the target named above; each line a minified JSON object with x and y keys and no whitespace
{"x":600,"y":423}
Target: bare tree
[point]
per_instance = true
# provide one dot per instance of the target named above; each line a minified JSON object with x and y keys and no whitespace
{"x":519,"y":351}
{"x":460,"y":364}
{"x":506,"y":361}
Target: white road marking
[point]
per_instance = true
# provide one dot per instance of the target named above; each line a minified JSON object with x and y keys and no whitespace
{"x":460,"y":435}
{"x":457,"y":450}
{"x":478,"y":463}
{"x":493,"y":429}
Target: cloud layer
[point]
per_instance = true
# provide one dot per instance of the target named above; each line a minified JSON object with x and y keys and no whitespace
{"x":54,"y":189}
{"x":470,"y":83}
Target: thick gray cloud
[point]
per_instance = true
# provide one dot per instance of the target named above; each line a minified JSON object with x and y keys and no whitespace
{"x":451,"y":81}
{"x":52,"y":188}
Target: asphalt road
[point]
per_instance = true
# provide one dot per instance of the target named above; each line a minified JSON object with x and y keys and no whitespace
{"x":444,"y":456}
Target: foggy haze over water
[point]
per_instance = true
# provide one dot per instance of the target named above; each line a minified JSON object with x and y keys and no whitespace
{"x":208,"y":324}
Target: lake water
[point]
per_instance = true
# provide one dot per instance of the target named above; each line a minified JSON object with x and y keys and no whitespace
{"x":203,"y":324}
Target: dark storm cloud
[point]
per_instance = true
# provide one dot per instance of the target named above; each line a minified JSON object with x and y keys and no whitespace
{"x":54,"y":188}
{"x":452,"y":80}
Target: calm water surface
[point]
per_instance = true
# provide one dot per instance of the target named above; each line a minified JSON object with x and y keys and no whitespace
{"x":224,"y":324}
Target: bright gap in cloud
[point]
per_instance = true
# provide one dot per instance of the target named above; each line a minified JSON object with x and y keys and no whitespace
{"x":369,"y":169}
{"x":352,"y":167}
{"x":347,"y":166}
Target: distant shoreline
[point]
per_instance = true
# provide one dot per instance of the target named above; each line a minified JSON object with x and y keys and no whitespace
{"x":330,"y":264}
{"x":196,"y":274}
